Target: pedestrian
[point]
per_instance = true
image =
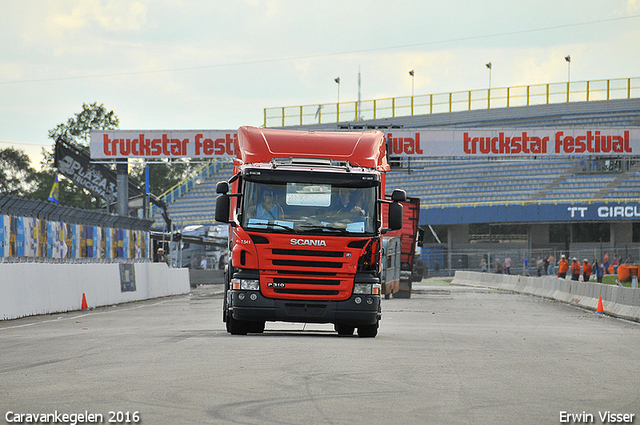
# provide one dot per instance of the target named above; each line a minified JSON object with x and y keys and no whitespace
{"x":161,"y":257}
{"x":203,"y":263}
{"x":540,"y":265}
{"x":563,"y":267}
{"x":598,"y":269}
{"x":575,"y":269}
{"x":483,"y":265}
{"x":507,"y":265}
{"x":222,"y":262}
{"x":586,"y":270}
{"x":525,"y":266}
{"x":551,"y":270}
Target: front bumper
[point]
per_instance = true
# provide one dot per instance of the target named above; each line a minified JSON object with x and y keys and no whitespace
{"x":253,"y":306}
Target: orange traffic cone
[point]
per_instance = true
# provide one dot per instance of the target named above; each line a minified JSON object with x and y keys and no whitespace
{"x":600,"y":310}
{"x":84,"y":302}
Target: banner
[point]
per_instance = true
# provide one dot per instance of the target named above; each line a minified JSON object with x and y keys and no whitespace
{"x":532,"y":213}
{"x":622,"y":141}
{"x":5,"y":232}
{"x":113,"y":144}
{"x":31,"y":227}
{"x":74,"y":163}
{"x":483,"y":142}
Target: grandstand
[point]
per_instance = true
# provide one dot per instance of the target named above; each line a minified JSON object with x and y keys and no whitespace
{"x":472,"y":181}
{"x":447,"y":186}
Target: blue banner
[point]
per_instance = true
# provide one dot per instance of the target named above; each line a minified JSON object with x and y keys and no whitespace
{"x":531,"y":213}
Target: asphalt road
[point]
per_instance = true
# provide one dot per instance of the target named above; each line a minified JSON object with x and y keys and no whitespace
{"x":448,"y":355}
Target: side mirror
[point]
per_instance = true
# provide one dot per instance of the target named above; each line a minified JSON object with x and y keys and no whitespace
{"x":398,"y":195}
{"x":222,"y":187}
{"x":396,"y":212}
{"x":222,"y":207}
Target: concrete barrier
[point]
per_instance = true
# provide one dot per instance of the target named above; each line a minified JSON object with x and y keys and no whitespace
{"x":617,"y":301}
{"x":28,"y":289}
{"x":205,"y":277}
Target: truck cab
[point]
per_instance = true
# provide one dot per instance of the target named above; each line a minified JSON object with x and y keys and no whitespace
{"x":306,"y":225}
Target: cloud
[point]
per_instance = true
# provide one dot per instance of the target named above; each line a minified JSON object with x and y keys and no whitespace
{"x":58,"y":20}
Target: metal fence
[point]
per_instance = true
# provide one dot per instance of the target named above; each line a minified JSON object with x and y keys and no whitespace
{"x":38,"y":231}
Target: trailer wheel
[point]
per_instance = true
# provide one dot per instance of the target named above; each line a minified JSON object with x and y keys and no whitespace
{"x":368,"y":331}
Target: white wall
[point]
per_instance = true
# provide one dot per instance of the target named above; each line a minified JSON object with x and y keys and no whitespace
{"x":28,"y":289}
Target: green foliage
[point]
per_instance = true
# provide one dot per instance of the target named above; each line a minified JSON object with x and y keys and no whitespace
{"x":163,"y":175}
{"x":16,"y":174}
{"x":70,"y":194}
{"x":78,"y":129}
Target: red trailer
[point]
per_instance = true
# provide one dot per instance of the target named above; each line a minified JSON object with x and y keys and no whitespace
{"x":410,"y":270}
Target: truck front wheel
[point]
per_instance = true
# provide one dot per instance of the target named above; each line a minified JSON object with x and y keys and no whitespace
{"x":368,"y":331}
{"x":344,"y":329}
{"x":236,"y":327}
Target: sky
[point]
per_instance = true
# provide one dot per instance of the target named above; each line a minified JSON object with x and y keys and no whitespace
{"x":209,"y":64}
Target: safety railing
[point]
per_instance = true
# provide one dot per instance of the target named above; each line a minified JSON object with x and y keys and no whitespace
{"x":537,"y":94}
{"x":186,"y":185}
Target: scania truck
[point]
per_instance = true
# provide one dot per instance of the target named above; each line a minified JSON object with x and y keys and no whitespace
{"x":304,"y":210}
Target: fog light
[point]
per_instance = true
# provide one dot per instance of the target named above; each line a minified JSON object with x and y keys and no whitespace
{"x":241,"y":296}
{"x":253,"y":297}
{"x":369,"y":301}
{"x":358,"y":300}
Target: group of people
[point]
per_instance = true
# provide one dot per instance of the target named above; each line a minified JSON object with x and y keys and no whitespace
{"x":586,"y":269}
{"x":547,"y":266}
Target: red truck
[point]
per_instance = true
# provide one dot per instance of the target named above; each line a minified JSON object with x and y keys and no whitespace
{"x":411,"y":267}
{"x":306,"y":226}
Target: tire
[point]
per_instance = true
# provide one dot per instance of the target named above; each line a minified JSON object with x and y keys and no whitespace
{"x":344,"y":330}
{"x":228,"y":272}
{"x":255,"y":327}
{"x":368,"y":331}
{"x":236,"y":327}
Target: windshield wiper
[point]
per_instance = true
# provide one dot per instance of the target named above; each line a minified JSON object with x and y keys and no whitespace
{"x":321,"y":227}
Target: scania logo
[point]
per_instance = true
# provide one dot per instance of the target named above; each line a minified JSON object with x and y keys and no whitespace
{"x":309,"y":242}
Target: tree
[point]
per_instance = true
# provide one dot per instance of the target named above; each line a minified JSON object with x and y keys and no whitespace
{"x":16,"y":174}
{"x":78,"y":129}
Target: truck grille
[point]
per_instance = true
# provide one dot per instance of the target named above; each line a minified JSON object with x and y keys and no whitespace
{"x":312,"y":258}
{"x":307,"y":273}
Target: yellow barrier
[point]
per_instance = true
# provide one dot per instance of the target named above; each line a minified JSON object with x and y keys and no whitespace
{"x":537,"y":94}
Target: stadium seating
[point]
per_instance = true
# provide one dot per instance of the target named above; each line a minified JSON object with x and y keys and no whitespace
{"x":470,"y":180}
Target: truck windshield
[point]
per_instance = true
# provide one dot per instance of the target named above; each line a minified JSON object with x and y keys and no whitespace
{"x":308,"y":208}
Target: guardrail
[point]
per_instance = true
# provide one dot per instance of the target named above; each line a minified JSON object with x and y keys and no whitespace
{"x":536,"y":94}
{"x":186,"y":185}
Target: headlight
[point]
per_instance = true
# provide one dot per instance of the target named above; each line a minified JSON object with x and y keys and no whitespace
{"x":367,"y":288}
{"x":246,"y":284}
